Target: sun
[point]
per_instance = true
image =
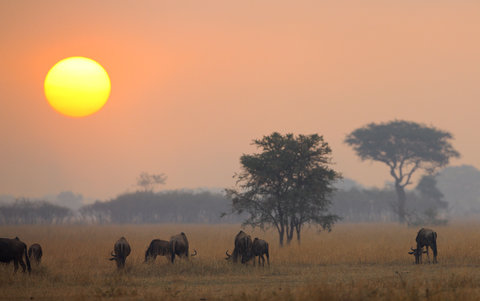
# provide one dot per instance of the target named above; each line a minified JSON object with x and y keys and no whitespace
{"x":77,"y":86}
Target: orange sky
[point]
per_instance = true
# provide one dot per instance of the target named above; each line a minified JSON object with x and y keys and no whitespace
{"x":193,"y":82}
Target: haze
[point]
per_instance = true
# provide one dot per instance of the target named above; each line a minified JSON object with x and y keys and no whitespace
{"x":193,"y":82}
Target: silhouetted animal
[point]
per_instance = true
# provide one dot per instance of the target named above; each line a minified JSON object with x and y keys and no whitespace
{"x":179,"y":246}
{"x":157,"y":247}
{"x":260,"y":247}
{"x":121,"y":250}
{"x":243,"y":248}
{"x":35,"y":253}
{"x":14,"y":249}
{"x":425,"y":238}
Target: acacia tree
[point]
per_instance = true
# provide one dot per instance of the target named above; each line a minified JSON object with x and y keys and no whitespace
{"x":286,"y":185}
{"x":404,"y":147}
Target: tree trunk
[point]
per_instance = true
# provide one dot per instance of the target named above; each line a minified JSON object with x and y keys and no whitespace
{"x":298,"y":229}
{"x":401,"y":200}
{"x":290,"y":229}
{"x":281,"y":234}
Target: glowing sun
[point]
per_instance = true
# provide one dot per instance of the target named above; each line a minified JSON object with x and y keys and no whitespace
{"x":77,"y":86}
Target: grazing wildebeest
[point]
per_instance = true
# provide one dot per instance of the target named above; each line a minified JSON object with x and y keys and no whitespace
{"x":14,"y":249}
{"x":35,"y":253}
{"x":121,"y":250}
{"x":425,"y":238}
{"x":260,"y":247}
{"x":179,"y":246}
{"x":157,"y":247}
{"x":243,"y":248}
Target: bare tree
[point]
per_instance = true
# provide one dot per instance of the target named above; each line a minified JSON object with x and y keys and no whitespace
{"x":149,"y":181}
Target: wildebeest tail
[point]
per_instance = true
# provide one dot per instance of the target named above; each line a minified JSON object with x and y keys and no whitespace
{"x":29,"y":267}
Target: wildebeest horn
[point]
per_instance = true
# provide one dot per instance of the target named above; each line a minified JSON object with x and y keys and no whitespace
{"x":113,"y":255}
{"x":412,"y":249}
{"x":194,"y":252}
{"x":228,"y":255}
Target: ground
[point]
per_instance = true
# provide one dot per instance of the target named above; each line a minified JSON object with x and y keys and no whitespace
{"x":353,"y":262}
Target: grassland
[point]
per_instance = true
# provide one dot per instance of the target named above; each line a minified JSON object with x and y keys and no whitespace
{"x":353,"y":262}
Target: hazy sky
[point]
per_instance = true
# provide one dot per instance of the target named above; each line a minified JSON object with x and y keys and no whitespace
{"x":193,"y":82}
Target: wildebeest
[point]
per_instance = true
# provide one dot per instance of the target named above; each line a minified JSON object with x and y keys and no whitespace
{"x":35,"y":253}
{"x":243,"y":248}
{"x":157,"y":247}
{"x":121,"y":250}
{"x":425,"y":238}
{"x":259,"y":248}
{"x":14,"y":249}
{"x":179,"y":246}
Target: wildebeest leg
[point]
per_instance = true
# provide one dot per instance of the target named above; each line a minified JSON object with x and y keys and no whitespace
{"x":428,"y":255}
{"x":263,"y":260}
{"x":15,"y":265}
{"x":22,"y":264}
{"x":434,"y":249}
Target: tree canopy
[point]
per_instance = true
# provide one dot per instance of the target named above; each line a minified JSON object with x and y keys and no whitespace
{"x":149,"y":181}
{"x":286,"y":185}
{"x":404,"y":147}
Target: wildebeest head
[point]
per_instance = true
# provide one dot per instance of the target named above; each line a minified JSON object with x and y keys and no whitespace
{"x":418,"y":254}
{"x":35,"y":253}
{"x":121,"y":250}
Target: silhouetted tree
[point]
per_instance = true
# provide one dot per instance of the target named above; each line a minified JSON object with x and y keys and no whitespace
{"x":149,"y":181}
{"x":461,"y":186}
{"x":429,"y":201}
{"x":286,"y":185}
{"x":404,"y":147}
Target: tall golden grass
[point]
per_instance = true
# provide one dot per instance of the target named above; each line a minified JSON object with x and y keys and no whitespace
{"x":353,"y":262}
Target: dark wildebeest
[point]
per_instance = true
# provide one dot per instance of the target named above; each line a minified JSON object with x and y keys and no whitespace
{"x":243,"y":248}
{"x":425,"y":238}
{"x":260,"y":247}
{"x":121,"y":250}
{"x":35,"y":253}
{"x":179,"y":246}
{"x":14,"y":249}
{"x":157,"y":247}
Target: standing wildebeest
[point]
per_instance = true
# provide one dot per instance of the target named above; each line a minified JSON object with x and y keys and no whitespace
{"x":427,"y":238}
{"x":122,"y":250}
{"x":35,"y":253}
{"x":243,"y":248}
{"x":157,"y":247}
{"x":14,"y":249}
{"x":179,"y":246}
{"x":260,"y":247}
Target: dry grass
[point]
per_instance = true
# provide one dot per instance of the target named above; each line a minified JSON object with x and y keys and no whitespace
{"x":353,"y":262}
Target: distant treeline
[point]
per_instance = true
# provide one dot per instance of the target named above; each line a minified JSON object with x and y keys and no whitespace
{"x":24,"y":211}
{"x":378,"y":205}
{"x":146,"y":207}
